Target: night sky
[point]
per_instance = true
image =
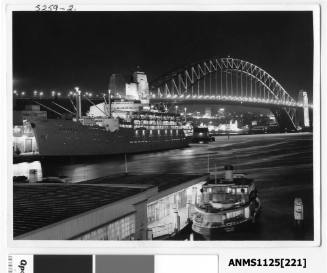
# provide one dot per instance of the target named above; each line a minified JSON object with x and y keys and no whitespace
{"x":61,"y":50}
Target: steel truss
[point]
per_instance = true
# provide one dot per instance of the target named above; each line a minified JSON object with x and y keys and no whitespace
{"x":233,"y":80}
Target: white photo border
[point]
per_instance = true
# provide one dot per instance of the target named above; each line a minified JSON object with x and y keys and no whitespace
{"x":146,"y":247}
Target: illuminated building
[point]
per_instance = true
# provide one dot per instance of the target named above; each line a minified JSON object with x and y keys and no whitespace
{"x":121,"y":207}
{"x":207,"y":112}
{"x":139,"y":88}
{"x":24,"y":142}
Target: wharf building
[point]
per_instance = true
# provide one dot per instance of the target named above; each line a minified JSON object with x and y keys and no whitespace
{"x":24,"y":142}
{"x":121,"y":207}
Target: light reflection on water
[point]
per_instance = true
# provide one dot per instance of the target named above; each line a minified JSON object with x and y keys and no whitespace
{"x":246,"y":153}
{"x":281,"y":164}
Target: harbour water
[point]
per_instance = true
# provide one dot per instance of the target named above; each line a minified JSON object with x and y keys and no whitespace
{"x":281,"y":165}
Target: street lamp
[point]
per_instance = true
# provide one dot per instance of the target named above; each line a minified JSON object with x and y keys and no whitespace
{"x":53,"y":93}
{"x":23,"y":93}
{"x":176,"y":107}
{"x":41,"y":94}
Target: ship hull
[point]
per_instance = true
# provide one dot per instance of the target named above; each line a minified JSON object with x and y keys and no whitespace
{"x":210,"y":232}
{"x":69,"y":138}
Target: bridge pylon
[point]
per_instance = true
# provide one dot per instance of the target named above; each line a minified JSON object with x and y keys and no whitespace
{"x":303,"y":116}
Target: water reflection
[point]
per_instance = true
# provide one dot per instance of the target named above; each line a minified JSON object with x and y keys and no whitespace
{"x":282,"y":166}
{"x":247,"y":153}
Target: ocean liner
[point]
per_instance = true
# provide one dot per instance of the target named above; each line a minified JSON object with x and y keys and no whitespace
{"x":113,"y":127}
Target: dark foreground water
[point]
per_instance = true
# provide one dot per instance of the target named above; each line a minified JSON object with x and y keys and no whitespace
{"x":281,"y":164}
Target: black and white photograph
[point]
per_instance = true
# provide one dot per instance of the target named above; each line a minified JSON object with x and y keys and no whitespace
{"x":164,"y":125}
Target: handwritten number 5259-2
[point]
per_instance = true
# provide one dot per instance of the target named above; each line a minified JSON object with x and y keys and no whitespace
{"x":53,"y":8}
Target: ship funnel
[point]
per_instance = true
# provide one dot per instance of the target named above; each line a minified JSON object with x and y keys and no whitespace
{"x":78,"y":104}
{"x":229,"y":172}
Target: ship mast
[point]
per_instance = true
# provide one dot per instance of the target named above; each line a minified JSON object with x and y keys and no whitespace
{"x":78,"y":103}
{"x":109,"y":102}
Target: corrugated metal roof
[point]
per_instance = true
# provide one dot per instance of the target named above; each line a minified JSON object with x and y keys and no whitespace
{"x":36,"y":206}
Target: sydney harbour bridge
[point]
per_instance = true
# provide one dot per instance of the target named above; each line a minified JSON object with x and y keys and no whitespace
{"x":230,"y":81}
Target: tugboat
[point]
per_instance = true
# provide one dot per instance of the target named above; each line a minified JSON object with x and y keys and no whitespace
{"x":226,"y":203}
{"x":201,"y":135}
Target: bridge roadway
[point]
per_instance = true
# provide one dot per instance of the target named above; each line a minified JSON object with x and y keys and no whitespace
{"x":281,"y":111}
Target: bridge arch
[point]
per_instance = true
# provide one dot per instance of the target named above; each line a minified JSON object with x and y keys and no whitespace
{"x":225,"y":79}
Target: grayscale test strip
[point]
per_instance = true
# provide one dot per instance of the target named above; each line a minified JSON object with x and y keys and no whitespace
{"x":104,"y":263}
